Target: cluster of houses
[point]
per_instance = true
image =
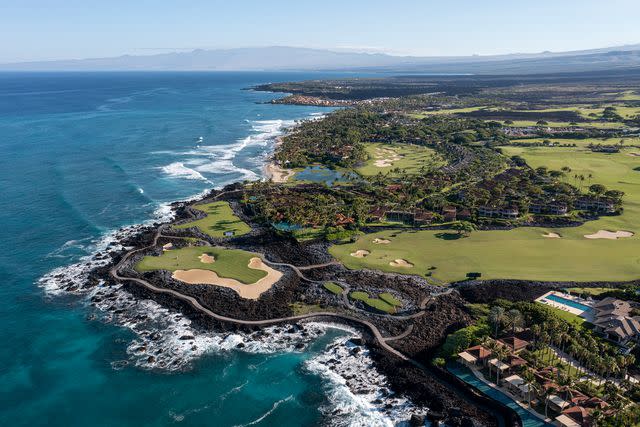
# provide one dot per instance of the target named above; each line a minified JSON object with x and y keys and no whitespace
{"x":613,"y":319}
{"x":574,"y":412}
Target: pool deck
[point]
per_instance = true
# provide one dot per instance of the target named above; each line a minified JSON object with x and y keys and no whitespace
{"x":587,"y":315}
{"x":529,"y":417}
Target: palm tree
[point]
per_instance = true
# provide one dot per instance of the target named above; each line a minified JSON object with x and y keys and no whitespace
{"x":548,"y":392}
{"x":514,"y":319}
{"x":496,"y":317}
{"x":530,"y":381}
{"x":500,"y":353}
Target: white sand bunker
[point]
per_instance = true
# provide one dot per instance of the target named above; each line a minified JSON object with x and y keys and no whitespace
{"x":381,"y":241}
{"x":206,"y":259}
{"x":552,"y":235}
{"x":634,"y":154}
{"x":611,"y":235}
{"x":401,"y":263}
{"x":249,"y":291}
{"x":361,"y":253}
{"x":385,"y":157}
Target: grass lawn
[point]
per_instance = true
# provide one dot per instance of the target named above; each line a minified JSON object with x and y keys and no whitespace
{"x":333,"y":288}
{"x":629,"y":95}
{"x":423,"y":114}
{"x":589,"y":291}
{"x":411,"y":158}
{"x":376,"y":303}
{"x":229,"y":263}
{"x":596,"y":125}
{"x":549,"y":358}
{"x":565,"y":315}
{"x":582,"y":142}
{"x":390,"y":299}
{"x":220,"y":218}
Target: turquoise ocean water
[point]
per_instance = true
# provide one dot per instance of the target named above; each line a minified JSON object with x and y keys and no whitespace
{"x":83,"y":155}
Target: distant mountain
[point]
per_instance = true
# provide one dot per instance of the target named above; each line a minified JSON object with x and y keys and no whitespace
{"x":293,"y":58}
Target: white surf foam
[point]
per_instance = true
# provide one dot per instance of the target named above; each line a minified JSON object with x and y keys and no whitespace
{"x":358,"y":393}
{"x":179,"y":170}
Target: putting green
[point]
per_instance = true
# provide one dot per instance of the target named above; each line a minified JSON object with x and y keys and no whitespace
{"x":229,"y":263}
{"x":220,"y":219}
{"x":523,"y":253}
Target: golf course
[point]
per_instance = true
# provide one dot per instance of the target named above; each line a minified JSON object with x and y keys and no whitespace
{"x":385,"y":158}
{"x":524,"y":253}
{"x":220,"y":219}
{"x":228,"y":263}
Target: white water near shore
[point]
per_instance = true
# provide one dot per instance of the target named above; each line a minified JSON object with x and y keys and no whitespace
{"x":166,"y":340}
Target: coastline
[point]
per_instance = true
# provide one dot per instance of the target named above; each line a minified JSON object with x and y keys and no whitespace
{"x":272,"y":171}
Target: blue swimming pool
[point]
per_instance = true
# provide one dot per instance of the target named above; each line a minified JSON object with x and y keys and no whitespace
{"x":528,"y":420}
{"x":565,"y":301}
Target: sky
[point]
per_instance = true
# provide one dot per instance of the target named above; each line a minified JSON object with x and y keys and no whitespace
{"x":33,"y":30}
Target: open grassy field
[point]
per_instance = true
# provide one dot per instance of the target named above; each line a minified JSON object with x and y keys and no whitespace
{"x":524,"y":253}
{"x":587,"y":111}
{"x":584,"y":142}
{"x":229,"y":263}
{"x":589,"y":291}
{"x":629,"y":95}
{"x":220,"y":219}
{"x":333,"y":288}
{"x":596,"y":125}
{"x":377,"y":303}
{"x":409,"y":158}
{"x":423,"y":114}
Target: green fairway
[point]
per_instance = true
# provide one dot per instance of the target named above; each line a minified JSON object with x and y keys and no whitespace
{"x":596,"y":125}
{"x":333,"y":288}
{"x":585,"y":142}
{"x":229,"y":263}
{"x":589,"y":291}
{"x":384,"y":158}
{"x":423,"y":114}
{"x":523,"y":253}
{"x":220,"y":219}
{"x":377,"y":303}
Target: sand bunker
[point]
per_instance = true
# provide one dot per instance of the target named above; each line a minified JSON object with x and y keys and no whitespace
{"x":206,"y":259}
{"x":385,"y":157}
{"x":381,"y":241}
{"x":361,"y":253}
{"x":552,"y":235}
{"x":611,"y":235}
{"x":634,"y":154}
{"x":401,"y":263}
{"x":249,"y":291}
{"x":167,"y":247}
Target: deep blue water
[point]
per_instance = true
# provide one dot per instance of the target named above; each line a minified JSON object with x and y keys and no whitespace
{"x":85,"y":154}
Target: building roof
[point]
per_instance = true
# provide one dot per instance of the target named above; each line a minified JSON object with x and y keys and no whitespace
{"x":479,"y":352}
{"x":565,"y":421}
{"x":620,"y":326}
{"x":610,"y":303}
{"x":498,"y":364}
{"x":468,"y":357}
{"x":578,"y":414}
{"x":514,"y":343}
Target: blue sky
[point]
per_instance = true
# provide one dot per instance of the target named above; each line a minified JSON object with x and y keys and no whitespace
{"x":49,"y":29}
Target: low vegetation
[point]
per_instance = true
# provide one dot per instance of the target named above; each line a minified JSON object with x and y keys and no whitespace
{"x":219,"y":220}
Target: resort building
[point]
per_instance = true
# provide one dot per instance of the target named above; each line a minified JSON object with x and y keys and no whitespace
{"x":515,"y":344}
{"x":495,"y":212}
{"x":548,"y":208}
{"x":613,"y":319}
{"x":587,"y":203}
{"x":474,"y":356}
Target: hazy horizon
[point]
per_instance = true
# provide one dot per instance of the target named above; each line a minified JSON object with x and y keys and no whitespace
{"x":92,"y":29}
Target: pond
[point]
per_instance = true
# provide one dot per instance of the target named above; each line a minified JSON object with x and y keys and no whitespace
{"x":325,"y":175}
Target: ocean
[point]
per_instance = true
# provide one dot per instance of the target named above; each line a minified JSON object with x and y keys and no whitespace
{"x":85,"y":158}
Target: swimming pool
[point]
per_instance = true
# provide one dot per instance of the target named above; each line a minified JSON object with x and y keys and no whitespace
{"x":565,"y":301}
{"x":528,"y":420}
